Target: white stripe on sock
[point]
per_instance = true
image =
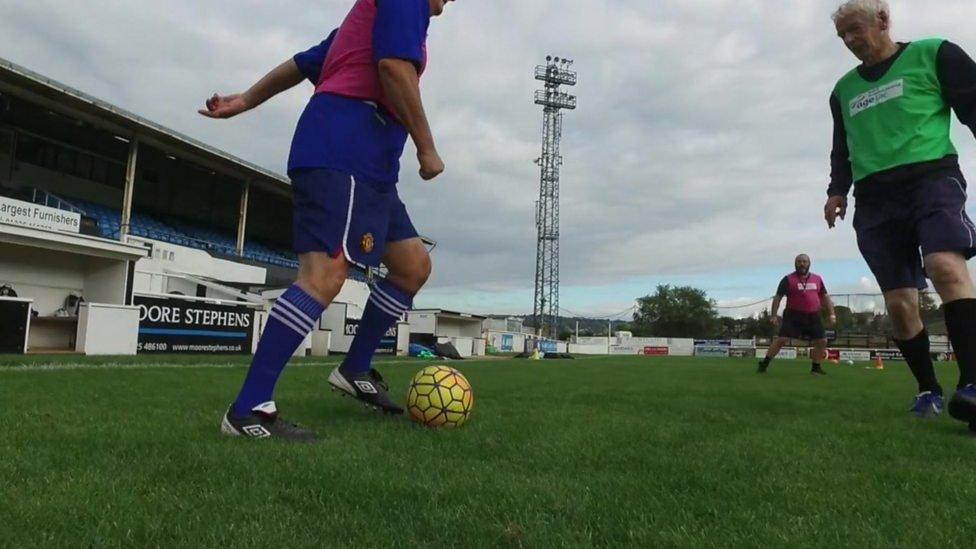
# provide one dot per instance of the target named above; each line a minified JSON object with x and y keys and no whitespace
{"x":274,"y":314}
{"x":385,"y":308}
{"x":391,"y":300}
{"x":301,"y":321}
{"x":380,"y":300}
{"x":294,"y":308}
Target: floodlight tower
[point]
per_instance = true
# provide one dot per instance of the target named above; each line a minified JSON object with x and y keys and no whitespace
{"x":555,"y":73}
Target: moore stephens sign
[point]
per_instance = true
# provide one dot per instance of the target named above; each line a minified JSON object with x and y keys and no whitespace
{"x":387,"y":344}
{"x":182,"y":326}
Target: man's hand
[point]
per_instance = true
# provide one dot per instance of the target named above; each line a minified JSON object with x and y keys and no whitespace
{"x":225,"y":106}
{"x":836,"y":207}
{"x":775,"y":320}
{"x":431,"y":164}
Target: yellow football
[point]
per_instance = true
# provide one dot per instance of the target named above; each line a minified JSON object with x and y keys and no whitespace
{"x":439,"y":396}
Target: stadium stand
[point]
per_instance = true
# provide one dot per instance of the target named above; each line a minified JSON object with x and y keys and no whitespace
{"x":109,"y":222}
{"x":132,"y":217}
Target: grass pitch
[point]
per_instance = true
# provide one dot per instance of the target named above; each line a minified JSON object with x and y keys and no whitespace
{"x":594,"y":452}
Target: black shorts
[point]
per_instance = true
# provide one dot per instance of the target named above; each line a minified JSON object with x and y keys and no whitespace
{"x":807,"y":326}
{"x":899,"y":224}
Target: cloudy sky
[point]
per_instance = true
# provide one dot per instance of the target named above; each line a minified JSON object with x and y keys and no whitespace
{"x":698,"y":154}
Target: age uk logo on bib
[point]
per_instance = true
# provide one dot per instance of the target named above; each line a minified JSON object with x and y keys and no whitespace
{"x":877,"y":96}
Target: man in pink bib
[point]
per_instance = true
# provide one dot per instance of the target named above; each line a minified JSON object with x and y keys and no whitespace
{"x":806,"y":295}
{"x":344,"y":167}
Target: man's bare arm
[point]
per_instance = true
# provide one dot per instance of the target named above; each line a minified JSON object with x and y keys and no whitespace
{"x":283,"y":77}
{"x":402,"y":86}
{"x":774,"y":311}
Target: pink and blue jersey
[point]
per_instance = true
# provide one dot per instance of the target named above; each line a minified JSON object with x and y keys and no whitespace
{"x":349,"y":123}
{"x":804,"y":293}
{"x":363,"y":39}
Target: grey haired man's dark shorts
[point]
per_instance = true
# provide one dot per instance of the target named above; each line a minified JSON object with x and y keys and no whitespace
{"x":898,"y":224}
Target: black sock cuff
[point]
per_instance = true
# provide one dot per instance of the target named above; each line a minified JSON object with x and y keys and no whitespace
{"x":960,"y":317}
{"x":919,"y":343}
{"x":960,"y":309}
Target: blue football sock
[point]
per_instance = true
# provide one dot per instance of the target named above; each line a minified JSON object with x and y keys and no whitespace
{"x":385,"y":306}
{"x":293,"y":316}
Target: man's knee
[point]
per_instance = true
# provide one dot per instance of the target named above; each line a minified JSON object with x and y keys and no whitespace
{"x":323,"y":283}
{"x":902,"y":309}
{"x":905,"y":317}
{"x":946,"y":270}
{"x":413,"y":274}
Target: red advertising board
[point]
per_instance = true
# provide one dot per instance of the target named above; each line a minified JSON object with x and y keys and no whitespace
{"x":656,"y":351}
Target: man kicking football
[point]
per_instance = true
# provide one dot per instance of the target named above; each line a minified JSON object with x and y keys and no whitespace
{"x":892,"y":118}
{"x":805,"y":295}
{"x":344,"y":167}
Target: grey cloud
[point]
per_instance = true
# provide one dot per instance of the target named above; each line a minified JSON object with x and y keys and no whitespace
{"x":701,"y":140}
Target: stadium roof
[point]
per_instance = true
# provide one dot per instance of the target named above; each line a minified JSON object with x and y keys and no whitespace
{"x":454,"y":314}
{"x":22,"y":82}
{"x":25,"y":83}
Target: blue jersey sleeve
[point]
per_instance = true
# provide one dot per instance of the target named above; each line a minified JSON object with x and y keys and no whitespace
{"x":401,"y":30}
{"x":310,"y":61}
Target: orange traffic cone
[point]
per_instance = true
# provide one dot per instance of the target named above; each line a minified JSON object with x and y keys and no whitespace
{"x":878,"y":363}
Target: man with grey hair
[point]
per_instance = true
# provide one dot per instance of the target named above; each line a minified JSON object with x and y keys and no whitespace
{"x":892,"y":143}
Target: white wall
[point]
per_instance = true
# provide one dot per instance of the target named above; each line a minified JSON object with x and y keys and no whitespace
{"x":334,"y":319}
{"x":260,"y":321}
{"x":321,"y":342}
{"x":625,"y":349}
{"x":518,"y":340}
{"x":403,"y":338}
{"x":682,"y":347}
{"x":458,"y":327}
{"x":578,"y":349}
{"x":594,"y":341}
{"x":449,"y":327}
{"x":178,"y":259}
{"x":149,"y":283}
{"x":598,"y":346}
{"x":183,"y":286}
{"x":156,"y":283}
{"x":421,"y":323}
{"x":354,"y":293}
{"x":464,"y":345}
{"x":45,"y":276}
{"x":642,"y":342}
{"x":107,"y":330}
{"x":105,"y":281}
{"x":496,"y":324}
{"x":478,"y":347}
